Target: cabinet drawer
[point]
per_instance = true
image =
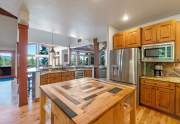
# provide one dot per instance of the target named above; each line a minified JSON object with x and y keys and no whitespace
{"x":163,"y":84}
{"x":148,"y":82}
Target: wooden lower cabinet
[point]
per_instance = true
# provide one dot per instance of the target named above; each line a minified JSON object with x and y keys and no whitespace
{"x":158,"y":95}
{"x":165,"y":100}
{"x":177,"y":110}
{"x":56,"y":77}
{"x":70,"y":75}
{"x":148,"y":95}
{"x":44,"y":79}
{"x":88,"y":73}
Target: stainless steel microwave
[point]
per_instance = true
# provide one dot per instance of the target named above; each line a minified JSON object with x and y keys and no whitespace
{"x":163,"y":52}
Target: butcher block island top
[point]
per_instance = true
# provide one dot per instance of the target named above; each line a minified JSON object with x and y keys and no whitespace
{"x":88,"y":101}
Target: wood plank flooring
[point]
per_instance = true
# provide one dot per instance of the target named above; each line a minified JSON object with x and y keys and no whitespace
{"x":30,"y":115}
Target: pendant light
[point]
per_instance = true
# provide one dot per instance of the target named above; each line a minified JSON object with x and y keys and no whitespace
{"x":52,"y":49}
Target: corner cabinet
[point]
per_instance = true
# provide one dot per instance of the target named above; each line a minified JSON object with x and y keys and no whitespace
{"x":133,"y":38}
{"x":118,"y":40}
{"x":149,"y":35}
{"x":178,"y":100}
{"x":166,"y":31}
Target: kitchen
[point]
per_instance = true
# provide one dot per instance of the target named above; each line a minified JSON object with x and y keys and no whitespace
{"x":117,"y":67}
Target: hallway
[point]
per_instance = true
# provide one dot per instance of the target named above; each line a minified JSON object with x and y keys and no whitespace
{"x":8,"y":93}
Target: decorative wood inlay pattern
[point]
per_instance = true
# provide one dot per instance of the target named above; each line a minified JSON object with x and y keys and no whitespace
{"x":83,"y":97}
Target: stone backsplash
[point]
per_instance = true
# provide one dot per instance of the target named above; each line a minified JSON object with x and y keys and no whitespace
{"x":169,"y":69}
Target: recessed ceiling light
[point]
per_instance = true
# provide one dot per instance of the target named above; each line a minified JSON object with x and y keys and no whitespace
{"x":125,"y":17}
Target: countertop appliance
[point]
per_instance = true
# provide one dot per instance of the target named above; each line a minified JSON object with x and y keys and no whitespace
{"x":158,"y":70}
{"x":163,"y":52}
{"x":125,"y":66}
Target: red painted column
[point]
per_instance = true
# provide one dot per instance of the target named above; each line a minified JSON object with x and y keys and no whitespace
{"x":96,"y":60}
{"x":22,"y":64}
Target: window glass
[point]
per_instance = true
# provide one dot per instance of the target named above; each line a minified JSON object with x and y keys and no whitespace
{"x":31,"y":61}
{"x":102,"y":57}
{"x":43,"y":61}
{"x":43,"y":50}
{"x":5,"y":59}
{"x":32,"y":49}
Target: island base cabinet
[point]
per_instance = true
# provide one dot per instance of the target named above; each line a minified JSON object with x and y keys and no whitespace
{"x":121,"y":113}
{"x":59,"y":117}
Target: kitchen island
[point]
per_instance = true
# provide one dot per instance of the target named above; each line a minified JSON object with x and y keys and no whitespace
{"x":87,"y":101}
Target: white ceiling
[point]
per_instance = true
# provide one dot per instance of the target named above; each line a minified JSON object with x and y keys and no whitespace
{"x":90,"y":18}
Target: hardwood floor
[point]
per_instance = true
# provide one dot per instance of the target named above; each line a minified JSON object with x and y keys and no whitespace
{"x":149,"y":116}
{"x":30,"y":115}
{"x":8,"y":93}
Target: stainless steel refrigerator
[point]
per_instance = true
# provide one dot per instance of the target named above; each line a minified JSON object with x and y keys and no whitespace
{"x":125,"y":66}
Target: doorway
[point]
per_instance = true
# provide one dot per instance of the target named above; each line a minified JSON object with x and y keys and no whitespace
{"x":8,"y":84}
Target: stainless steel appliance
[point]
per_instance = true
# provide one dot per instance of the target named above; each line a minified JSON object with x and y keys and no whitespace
{"x":163,"y":52}
{"x":79,"y":74}
{"x":125,"y":66}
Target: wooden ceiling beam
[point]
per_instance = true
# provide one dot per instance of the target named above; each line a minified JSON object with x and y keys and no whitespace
{"x":6,"y":13}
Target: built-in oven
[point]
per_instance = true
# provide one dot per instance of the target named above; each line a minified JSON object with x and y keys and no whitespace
{"x":163,"y":52}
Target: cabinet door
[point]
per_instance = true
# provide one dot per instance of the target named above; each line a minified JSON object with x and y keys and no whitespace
{"x":148,"y":95}
{"x":177,"y":100}
{"x":165,"y":100}
{"x":133,"y":38}
{"x":118,"y":40}
{"x":145,"y":94}
{"x":88,"y":73}
{"x":166,"y":31}
{"x":149,"y":34}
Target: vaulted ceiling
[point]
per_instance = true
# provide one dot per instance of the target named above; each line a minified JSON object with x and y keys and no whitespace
{"x":90,"y":18}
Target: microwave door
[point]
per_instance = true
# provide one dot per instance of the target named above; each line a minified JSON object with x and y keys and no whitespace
{"x":158,"y":53}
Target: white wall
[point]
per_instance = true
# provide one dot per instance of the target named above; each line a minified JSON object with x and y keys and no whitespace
{"x":111,"y":32}
{"x":62,"y":55}
{"x":39,"y":36}
{"x":8,"y":33}
{"x":84,"y":42}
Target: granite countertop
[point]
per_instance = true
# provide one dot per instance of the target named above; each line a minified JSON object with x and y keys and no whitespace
{"x":54,"y":71}
{"x":164,"y":78}
{"x":81,"y":98}
{"x":65,"y":70}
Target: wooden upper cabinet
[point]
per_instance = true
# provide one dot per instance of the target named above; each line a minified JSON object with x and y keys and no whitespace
{"x":149,"y":34}
{"x":118,"y":40}
{"x":133,"y":38}
{"x":177,"y":46}
{"x":166,"y":31}
{"x":178,"y":100}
